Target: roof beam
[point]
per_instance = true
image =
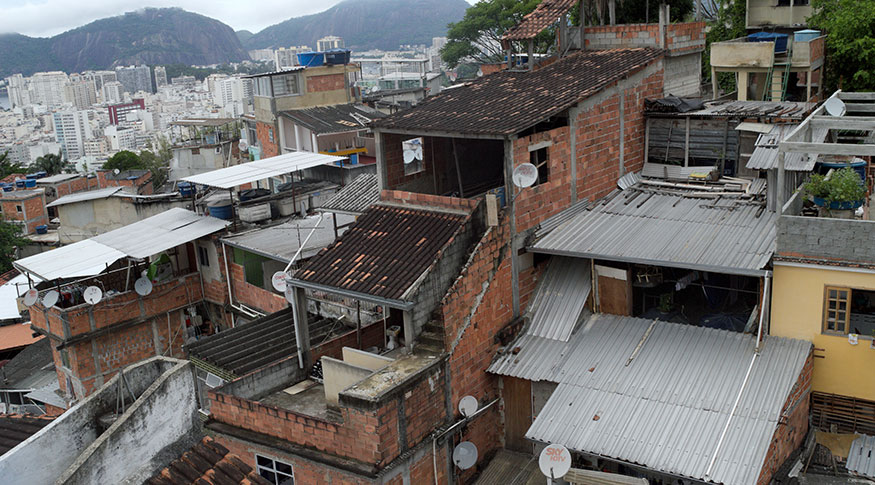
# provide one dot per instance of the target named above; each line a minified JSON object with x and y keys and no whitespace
{"x":860,"y":107}
{"x":857,"y":96}
{"x":442,"y":134}
{"x":861,"y":123}
{"x":827,"y":148}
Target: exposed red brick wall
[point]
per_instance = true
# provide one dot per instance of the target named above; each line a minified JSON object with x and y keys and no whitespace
{"x":142,"y":184}
{"x":372,"y":335}
{"x":539,"y":202}
{"x":328,"y":82}
{"x":262,"y":132}
{"x":54,"y":410}
{"x":428,"y":200}
{"x":254,"y":296}
{"x":33,"y":211}
{"x":487,"y":69}
{"x":71,"y":186}
{"x":792,"y":426}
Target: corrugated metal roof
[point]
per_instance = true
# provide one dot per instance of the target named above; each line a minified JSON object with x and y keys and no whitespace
{"x":83,"y":196}
{"x":765,"y":110}
{"x":557,"y":220}
{"x":282,"y":241}
{"x":538,"y":358}
{"x":653,"y":226}
{"x":48,"y":394}
{"x":560,"y":298}
{"x":511,"y":468}
{"x":334,"y":119}
{"x":230,"y":177}
{"x":765,"y":153}
{"x":861,"y":458}
{"x":61,"y":177}
{"x":356,"y":197}
{"x":144,"y":238}
{"x":667,"y":408}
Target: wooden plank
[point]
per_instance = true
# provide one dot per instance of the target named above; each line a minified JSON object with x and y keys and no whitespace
{"x":860,"y":107}
{"x":517,"y":394}
{"x":615,"y":295}
{"x":827,"y":148}
{"x":862,"y":123}
{"x":857,"y":96}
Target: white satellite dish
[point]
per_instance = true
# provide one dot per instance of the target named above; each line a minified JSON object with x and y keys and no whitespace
{"x":289,"y":294}
{"x":279,"y":281}
{"x":555,"y":461}
{"x":243,"y":145}
{"x":50,"y":298}
{"x":92,"y":295}
{"x":409,"y":156}
{"x":468,"y":406}
{"x":143,"y":286}
{"x":465,"y":455}
{"x":418,"y":152}
{"x":835,"y":107}
{"x":116,"y":171}
{"x":31,"y":297}
{"x":525,"y":175}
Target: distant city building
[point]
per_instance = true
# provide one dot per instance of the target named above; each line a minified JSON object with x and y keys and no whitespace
{"x":230,"y":95}
{"x":434,"y":53}
{"x":329,"y":42}
{"x":101,"y":78}
{"x":288,"y":57}
{"x":47,"y":88}
{"x":135,"y":78}
{"x":118,"y":112}
{"x":82,"y":94}
{"x":160,"y":77}
{"x":16,"y":87}
{"x":72,"y":129}
{"x":113,"y":92}
{"x":184,"y":81}
{"x":261,"y":54}
{"x":120,"y":138}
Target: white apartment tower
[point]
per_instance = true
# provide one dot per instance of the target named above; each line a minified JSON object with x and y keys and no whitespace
{"x":329,"y":42}
{"x":113,"y":92}
{"x":72,"y":129}
{"x":16,"y":87}
{"x":135,"y":78}
{"x":82,"y":94}
{"x":160,"y":77}
{"x":47,"y":88}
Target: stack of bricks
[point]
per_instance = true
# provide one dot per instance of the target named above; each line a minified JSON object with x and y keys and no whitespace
{"x":681,"y":38}
{"x":427,"y":201}
{"x":685,"y":37}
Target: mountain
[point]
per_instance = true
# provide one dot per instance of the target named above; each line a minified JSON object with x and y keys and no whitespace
{"x":147,"y":36}
{"x":244,"y":35}
{"x":366,"y":24}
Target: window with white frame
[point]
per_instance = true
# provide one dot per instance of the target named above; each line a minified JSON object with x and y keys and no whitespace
{"x":285,"y":85}
{"x":413,"y":156}
{"x":274,"y":471}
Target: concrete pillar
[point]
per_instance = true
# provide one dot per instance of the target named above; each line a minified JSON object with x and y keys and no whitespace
{"x":612,"y":12}
{"x":715,"y":87}
{"x":382,"y":178}
{"x":510,"y":190}
{"x":808,"y":86}
{"x":302,"y":327}
{"x":781,"y":189}
{"x":742,"y":83}
{"x":409,"y":331}
{"x":663,"y":25}
{"x":531,"y":54}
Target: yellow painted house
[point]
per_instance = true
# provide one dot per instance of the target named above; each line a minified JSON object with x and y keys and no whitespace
{"x":824,"y":292}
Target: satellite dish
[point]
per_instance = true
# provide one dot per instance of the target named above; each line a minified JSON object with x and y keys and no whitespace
{"x":835,"y":107}
{"x":243,"y":145}
{"x":418,"y":152}
{"x":92,"y":295}
{"x":50,"y":298}
{"x":289,"y":294}
{"x":525,"y":175}
{"x":143,"y":286}
{"x":279,"y":281}
{"x":468,"y":406}
{"x":465,"y":455}
{"x":409,"y":156}
{"x":555,"y":461}
{"x":116,"y":171}
{"x":31,"y":297}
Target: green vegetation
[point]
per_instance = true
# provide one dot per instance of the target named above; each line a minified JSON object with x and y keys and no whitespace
{"x":10,"y":241}
{"x":201,"y":73}
{"x":157,"y":162}
{"x":729,"y":24}
{"x":51,"y":163}
{"x":850,"y":42}
{"x":843,"y":185}
{"x":7,"y":167}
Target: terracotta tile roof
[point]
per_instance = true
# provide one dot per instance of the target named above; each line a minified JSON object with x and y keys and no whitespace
{"x":507,"y":102}
{"x":384,"y":252}
{"x":15,"y":428}
{"x":539,"y":19}
{"x":5,"y":277}
{"x":207,"y":463}
{"x":16,"y":335}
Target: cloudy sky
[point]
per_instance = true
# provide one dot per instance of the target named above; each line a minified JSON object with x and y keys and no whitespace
{"x":44,"y":18}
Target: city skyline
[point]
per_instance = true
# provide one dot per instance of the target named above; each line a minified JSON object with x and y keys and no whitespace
{"x":46,"y":18}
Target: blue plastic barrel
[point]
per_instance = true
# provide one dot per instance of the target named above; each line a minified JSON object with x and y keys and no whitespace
{"x":311,"y":59}
{"x":185,"y":188}
{"x":30,"y":183}
{"x":780,"y":40}
{"x":19,"y":183}
{"x":354,"y":159}
{"x":42,"y":229}
{"x":337,"y":56}
{"x":221,"y":209}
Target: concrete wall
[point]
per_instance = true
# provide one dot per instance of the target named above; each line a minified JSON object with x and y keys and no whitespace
{"x":339,"y":375}
{"x":83,"y":220}
{"x":72,"y":450}
{"x":364,"y":359}
{"x":767,"y":13}
{"x":820,"y":238}
{"x":683,"y":75}
{"x":193,"y":161}
{"x":732,"y":54}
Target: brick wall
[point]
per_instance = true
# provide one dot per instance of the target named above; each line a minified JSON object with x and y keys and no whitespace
{"x":254,"y":296}
{"x":681,"y":38}
{"x":819,"y":238}
{"x":328,"y":82}
{"x":539,"y":202}
{"x":71,"y":186}
{"x":792,"y":426}
{"x":142,"y":184}
{"x":428,"y":200}
{"x":33,"y":211}
{"x":262,"y":132}
{"x":686,"y":37}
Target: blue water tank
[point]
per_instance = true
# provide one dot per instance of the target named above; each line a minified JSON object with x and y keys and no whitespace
{"x":32,"y":176}
{"x":185,"y":188}
{"x":337,"y":56}
{"x":30,"y":183}
{"x":221,"y":209}
{"x":354,"y":159}
{"x":805,"y":35}
{"x":311,"y":59}
{"x":42,"y":229}
{"x":19,"y":183}
{"x":8,"y":187}
{"x":780,"y":40}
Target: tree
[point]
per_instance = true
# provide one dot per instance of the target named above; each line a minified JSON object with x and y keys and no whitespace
{"x":10,"y":241}
{"x":729,"y":24}
{"x":7,"y":167}
{"x":51,"y":163}
{"x":477,"y":37}
{"x":124,"y":160}
{"x":850,"y":42}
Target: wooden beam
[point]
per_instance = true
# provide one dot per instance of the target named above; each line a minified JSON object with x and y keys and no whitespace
{"x":857,"y":96}
{"x":860,"y":107}
{"x":827,"y":148}
{"x":844,"y":123}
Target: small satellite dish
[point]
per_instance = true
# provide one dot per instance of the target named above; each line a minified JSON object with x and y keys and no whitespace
{"x":50,"y":298}
{"x":835,"y":107}
{"x":409,"y":156}
{"x":243,"y":145}
{"x":289,"y":294}
{"x":555,"y":461}
{"x":279,"y":281}
{"x":465,"y":455}
{"x":143,"y":286}
{"x":418,"y":152}
{"x":92,"y":295}
{"x":468,"y":406}
{"x":116,"y":171}
{"x":525,"y":175}
{"x":31,"y":297}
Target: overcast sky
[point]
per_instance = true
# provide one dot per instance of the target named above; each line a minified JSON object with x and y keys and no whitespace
{"x":45,"y":18}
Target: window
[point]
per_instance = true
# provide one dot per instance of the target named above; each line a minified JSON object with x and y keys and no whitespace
{"x":253,"y":266}
{"x":849,"y":310}
{"x":270,"y":134}
{"x":285,"y":85}
{"x":411,"y":151}
{"x":262,"y":87}
{"x":203,"y":256}
{"x":18,"y":208}
{"x":539,"y":159}
{"x":275,"y":471}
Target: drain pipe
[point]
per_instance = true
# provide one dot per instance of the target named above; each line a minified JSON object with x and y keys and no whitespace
{"x":239,"y":308}
{"x":731,"y":414}
{"x":763,"y":311}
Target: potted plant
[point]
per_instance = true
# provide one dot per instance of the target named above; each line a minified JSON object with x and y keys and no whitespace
{"x":842,"y":190}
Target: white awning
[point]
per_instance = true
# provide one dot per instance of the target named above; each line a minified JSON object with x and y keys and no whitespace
{"x":226,"y":178}
{"x":141,"y":239}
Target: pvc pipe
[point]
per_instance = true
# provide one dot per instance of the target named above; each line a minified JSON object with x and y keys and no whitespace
{"x":298,"y":253}
{"x":731,"y":413}
{"x":763,"y":311}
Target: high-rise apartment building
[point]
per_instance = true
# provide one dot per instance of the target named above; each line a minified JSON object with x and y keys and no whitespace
{"x":135,"y":78}
{"x":82,"y":93}
{"x":113,"y":92}
{"x":72,"y":129}
{"x":160,"y":77}
{"x":329,"y":42}
{"x":47,"y":88}
{"x":284,"y":58}
{"x":230,"y":95}
{"x":16,"y":87}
